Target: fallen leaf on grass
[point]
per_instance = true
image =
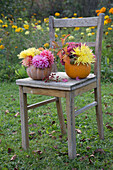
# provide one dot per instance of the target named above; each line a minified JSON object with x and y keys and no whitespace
{"x":32,"y":133}
{"x":7,"y":111}
{"x":99,"y":150}
{"x":37,"y":151}
{"x":107,"y":113}
{"x":111,"y":94}
{"x":13,"y":158}
{"x":0,"y":140}
{"x":16,"y":114}
{"x":78,"y":131}
{"x":109,"y":127}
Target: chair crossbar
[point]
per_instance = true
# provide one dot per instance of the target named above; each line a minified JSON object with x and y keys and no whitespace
{"x":85,"y":108}
{"x":32,"y":106}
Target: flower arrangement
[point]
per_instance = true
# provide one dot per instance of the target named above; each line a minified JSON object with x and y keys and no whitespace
{"x":75,"y":53}
{"x":39,"y":58}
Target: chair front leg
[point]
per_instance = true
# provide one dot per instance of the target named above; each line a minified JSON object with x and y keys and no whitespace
{"x":71,"y":125}
{"x":24,"y":118}
{"x":60,"y":115}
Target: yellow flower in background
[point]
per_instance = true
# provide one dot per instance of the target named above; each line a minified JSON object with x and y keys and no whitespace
{"x":16,"y":46}
{"x":106,"y":17}
{"x":63,"y":35}
{"x":88,"y":30}
{"x":109,"y":28}
{"x":46,"y":20}
{"x":111,"y":25}
{"x":89,"y":34}
{"x":14,"y":26}
{"x":111,"y":11}
{"x":73,"y":17}
{"x":39,"y":27}
{"x":108,"y":20}
{"x":2,"y":47}
{"x":26,"y":27}
{"x":39,"y":21}
{"x":36,"y":23}
{"x":57,"y":14}
{"x":46,"y":45}
{"x":57,"y":29}
{"x":34,"y":19}
{"x":76,"y":28}
{"x":33,"y":25}
{"x":47,"y":28}
{"x":2,"y":15}
{"x":19,"y":19}
{"x":19,"y":29}
{"x":1,"y":21}
{"x":93,"y":33}
{"x":26,"y":22}
{"x":97,"y":11}
{"x":102,"y":10}
{"x":71,"y":37}
{"x":75,"y":14}
{"x":4,"y":26}
{"x":82,"y":33}
{"x":92,"y":27}
{"x":27,"y":32}
{"x":56,"y":35}
{"x":65,"y":18}
{"x":106,"y":33}
{"x":80,"y":17}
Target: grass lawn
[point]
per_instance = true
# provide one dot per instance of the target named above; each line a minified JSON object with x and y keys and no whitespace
{"x":48,"y":148}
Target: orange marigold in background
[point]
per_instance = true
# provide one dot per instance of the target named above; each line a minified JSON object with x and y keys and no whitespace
{"x":97,"y":11}
{"x":102,"y":10}
{"x":111,"y":11}
{"x":57,"y":14}
{"x":108,"y":20}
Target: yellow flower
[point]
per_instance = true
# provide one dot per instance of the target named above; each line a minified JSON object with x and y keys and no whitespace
{"x":46,"y":20}
{"x":2,"y":47}
{"x":18,"y":30}
{"x":72,"y":17}
{"x":97,"y":11}
{"x":89,"y":34}
{"x":26,"y":22}
{"x":82,"y":33}
{"x":16,"y":46}
{"x":0,"y":40}
{"x":57,"y":14}
{"x":56,"y":35}
{"x":29,"y":52}
{"x":80,"y":17}
{"x":71,"y":37}
{"x":27,"y":32}
{"x":14,"y":26}
{"x":1,"y":21}
{"x":93,"y":33}
{"x":106,"y":17}
{"x":106,"y":33}
{"x":19,"y":19}
{"x":111,"y":25}
{"x":63,"y":35}
{"x":26,"y":27}
{"x":65,"y":18}
{"x":39,"y":27}
{"x":88,"y":30}
{"x":76,"y":28}
{"x":109,"y":28}
{"x":39,"y":21}
{"x":92,"y":27}
{"x":111,"y":11}
{"x":57,"y":29}
{"x":47,"y":28}
{"x":46,"y":45}
{"x":84,"y":54}
{"x":4,"y":26}
{"x":75,"y":14}
{"x":102,"y":10}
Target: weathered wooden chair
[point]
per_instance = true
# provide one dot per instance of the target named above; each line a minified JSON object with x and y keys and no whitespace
{"x":68,"y":89}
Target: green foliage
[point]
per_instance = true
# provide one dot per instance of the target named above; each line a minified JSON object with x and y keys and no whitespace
{"x":21,"y":72}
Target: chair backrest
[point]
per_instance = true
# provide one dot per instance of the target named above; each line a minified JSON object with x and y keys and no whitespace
{"x":82,"y":22}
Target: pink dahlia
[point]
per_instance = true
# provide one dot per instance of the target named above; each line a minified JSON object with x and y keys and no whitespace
{"x":47,"y":54}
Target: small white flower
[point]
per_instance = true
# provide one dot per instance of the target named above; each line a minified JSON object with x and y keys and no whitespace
{"x":27,"y":32}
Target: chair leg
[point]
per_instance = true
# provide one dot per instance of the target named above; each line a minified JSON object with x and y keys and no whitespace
{"x":60,"y":115}
{"x":99,"y":117}
{"x":71,"y":125}
{"x":24,"y":118}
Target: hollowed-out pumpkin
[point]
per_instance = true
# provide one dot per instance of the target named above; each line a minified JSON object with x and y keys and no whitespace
{"x":75,"y":70}
{"x":38,"y":73}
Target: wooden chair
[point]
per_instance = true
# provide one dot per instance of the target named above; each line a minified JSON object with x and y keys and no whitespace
{"x":68,"y":89}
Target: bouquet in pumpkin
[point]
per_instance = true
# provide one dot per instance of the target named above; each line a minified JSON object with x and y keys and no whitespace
{"x":39,"y":58}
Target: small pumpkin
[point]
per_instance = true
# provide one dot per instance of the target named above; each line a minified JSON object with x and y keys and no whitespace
{"x":38,"y":73}
{"x":75,"y":70}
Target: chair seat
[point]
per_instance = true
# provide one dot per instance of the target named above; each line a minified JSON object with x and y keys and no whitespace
{"x":71,"y":84}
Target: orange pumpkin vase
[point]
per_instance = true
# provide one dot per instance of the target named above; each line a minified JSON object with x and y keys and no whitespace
{"x":75,"y":70}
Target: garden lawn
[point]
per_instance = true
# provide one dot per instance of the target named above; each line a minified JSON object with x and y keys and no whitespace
{"x":48,"y":148}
